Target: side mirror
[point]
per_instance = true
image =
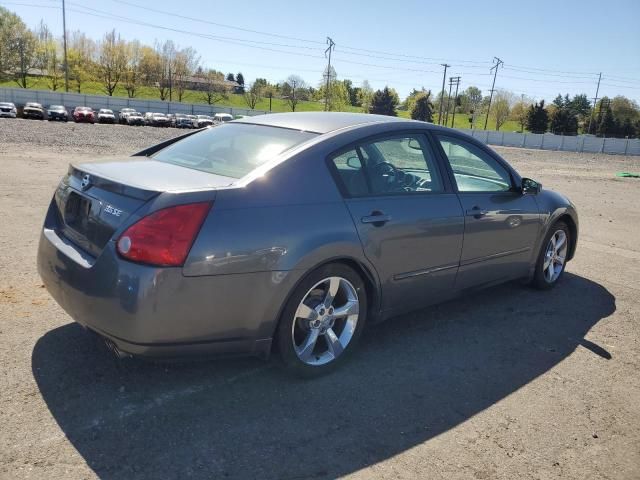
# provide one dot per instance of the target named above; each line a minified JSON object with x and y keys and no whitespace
{"x":530,"y":187}
{"x":354,"y":162}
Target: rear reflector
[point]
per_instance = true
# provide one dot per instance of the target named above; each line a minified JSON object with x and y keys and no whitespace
{"x":164,"y":238}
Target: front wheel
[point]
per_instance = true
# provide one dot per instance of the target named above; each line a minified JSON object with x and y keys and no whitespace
{"x":322,"y":320}
{"x":553,"y":257}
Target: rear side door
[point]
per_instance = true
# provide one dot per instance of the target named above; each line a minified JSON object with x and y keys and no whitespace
{"x":409,"y":220}
{"x":501,"y":224}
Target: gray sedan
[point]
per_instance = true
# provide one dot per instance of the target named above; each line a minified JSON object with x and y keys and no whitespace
{"x":291,"y":232}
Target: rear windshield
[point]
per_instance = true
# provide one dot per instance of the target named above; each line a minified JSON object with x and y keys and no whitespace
{"x":232,"y":149}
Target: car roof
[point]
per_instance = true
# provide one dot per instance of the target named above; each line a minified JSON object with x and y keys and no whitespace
{"x":319,"y":122}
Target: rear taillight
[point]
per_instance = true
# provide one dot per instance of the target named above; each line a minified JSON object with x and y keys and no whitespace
{"x":164,"y":238}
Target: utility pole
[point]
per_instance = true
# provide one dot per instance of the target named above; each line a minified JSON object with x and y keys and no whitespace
{"x":169,"y":80}
{"x":446,"y":115}
{"x":595,"y":100}
{"x":444,"y":77}
{"x":64,"y":43}
{"x":327,"y":53}
{"x":455,"y":101}
{"x":497,"y":62}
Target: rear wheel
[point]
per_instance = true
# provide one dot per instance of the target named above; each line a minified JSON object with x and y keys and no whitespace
{"x":322,"y":320}
{"x":553,"y":257}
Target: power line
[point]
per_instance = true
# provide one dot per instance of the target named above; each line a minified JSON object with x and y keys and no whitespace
{"x":522,"y":70}
{"x":382,"y":55}
{"x":234,"y":27}
{"x":102,"y":14}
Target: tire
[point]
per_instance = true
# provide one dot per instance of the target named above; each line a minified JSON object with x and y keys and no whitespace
{"x":543,"y":277}
{"x":336,"y":336}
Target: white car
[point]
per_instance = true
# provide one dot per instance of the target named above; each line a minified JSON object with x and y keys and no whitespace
{"x":222,"y":117}
{"x":106,"y":116}
{"x":202,"y":121}
{"x":8,"y":109}
{"x":134,"y":118}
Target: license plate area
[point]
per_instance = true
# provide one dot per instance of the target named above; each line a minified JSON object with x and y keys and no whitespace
{"x":77,"y":212}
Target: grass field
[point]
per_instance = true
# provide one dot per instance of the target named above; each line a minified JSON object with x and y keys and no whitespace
{"x":237,"y":101}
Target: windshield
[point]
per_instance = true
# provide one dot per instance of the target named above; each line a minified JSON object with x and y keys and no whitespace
{"x":232,"y":149}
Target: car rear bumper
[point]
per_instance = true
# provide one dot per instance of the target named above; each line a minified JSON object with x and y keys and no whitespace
{"x":150,"y":311}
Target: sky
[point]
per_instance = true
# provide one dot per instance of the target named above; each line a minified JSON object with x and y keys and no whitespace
{"x":548,"y":47}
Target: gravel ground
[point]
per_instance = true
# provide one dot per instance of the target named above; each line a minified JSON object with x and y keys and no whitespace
{"x":509,"y":383}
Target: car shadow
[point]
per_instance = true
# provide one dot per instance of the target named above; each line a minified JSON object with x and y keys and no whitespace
{"x":412,"y":378}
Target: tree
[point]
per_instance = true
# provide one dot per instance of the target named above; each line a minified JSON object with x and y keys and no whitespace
{"x":133,"y":69}
{"x":607,"y":125}
{"x":385,"y":102}
{"x":564,"y":121}
{"x":47,"y":56}
{"x":365,"y":94}
{"x":253,"y":95}
{"x":185,"y":63}
{"x":580,"y":105}
{"x":537,"y":118}
{"x":112,"y":61}
{"x":519,"y":113}
{"x":26,"y":55}
{"x":293,"y":91}
{"x":230,"y":77}
{"x":215,"y":89}
{"x":470,"y":100}
{"x":422,"y":107}
{"x":80,"y":54}
{"x":352,"y":92}
{"x":240,"y":82}
{"x":409,"y":102}
{"x":502,"y":107}
{"x":628,"y":130}
{"x":17,"y":47}
{"x":162,"y":68}
{"x":623,"y":108}
{"x":338,"y":96}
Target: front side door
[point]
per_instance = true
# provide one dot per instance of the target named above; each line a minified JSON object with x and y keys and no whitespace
{"x":409,"y":224}
{"x":501,"y":224}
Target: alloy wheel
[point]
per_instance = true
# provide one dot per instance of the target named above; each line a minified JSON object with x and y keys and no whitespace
{"x":555,"y":256}
{"x":325,"y":321}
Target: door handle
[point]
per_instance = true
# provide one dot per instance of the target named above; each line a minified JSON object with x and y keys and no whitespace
{"x":477,"y":212}
{"x":377,"y":218}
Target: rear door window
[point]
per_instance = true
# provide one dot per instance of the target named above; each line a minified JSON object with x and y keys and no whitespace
{"x":397,"y":165}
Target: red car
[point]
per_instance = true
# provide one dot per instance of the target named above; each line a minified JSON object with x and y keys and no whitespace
{"x":84,"y":114}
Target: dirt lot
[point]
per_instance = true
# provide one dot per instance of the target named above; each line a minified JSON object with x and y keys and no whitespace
{"x":510,"y":383}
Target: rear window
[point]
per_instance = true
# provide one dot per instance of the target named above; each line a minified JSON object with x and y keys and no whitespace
{"x":232,"y":149}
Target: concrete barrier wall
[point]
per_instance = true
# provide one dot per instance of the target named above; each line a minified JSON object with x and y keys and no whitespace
{"x":20,"y":96}
{"x":548,"y":141}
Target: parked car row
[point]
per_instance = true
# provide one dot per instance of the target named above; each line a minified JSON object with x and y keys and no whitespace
{"x":126,"y":116}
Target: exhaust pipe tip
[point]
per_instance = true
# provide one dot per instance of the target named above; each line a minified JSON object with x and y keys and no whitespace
{"x":113,"y":348}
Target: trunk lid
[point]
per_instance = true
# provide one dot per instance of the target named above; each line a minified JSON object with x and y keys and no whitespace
{"x":95,"y":199}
